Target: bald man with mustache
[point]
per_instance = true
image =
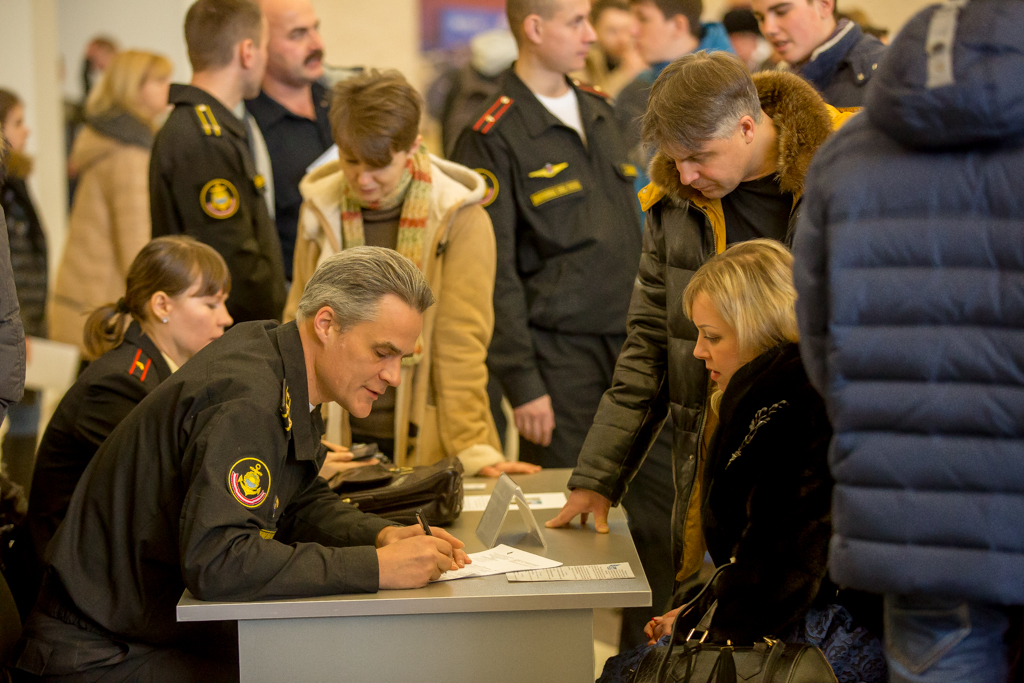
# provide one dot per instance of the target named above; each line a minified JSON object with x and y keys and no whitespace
{"x":292,"y":109}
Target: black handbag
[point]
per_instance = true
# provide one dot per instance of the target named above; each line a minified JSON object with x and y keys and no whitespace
{"x":696,"y":661}
{"x":396,"y":493}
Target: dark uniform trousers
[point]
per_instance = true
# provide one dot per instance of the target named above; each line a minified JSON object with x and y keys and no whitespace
{"x":568,"y":247}
{"x":211,"y":484}
{"x":209,"y":655}
{"x":203,"y":183}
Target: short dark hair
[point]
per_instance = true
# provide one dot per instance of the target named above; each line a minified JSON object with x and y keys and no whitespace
{"x":698,"y":98}
{"x":518,"y":10}
{"x":691,"y":9}
{"x":214,"y":27}
{"x":599,"y":7}
{"x":741,"y":20}
{"x":375,"y":115}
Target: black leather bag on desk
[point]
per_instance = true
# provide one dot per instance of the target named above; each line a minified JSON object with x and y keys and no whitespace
{"x":696,"y":661}
{"x":398,"y":492}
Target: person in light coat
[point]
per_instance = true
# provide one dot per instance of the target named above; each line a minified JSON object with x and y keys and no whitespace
{"x":386,"y":190}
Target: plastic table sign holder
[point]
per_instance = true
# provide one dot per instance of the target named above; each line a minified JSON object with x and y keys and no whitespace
{"x":506,"y":491}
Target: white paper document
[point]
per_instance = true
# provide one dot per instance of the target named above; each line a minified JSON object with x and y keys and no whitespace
{"x":536,"y":501}
{"x":584,"y":572}
{"x":474,"y":486}
{"x":500,"y":559}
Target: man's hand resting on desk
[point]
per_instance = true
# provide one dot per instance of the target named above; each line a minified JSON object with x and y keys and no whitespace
{"x":535,"y":420}
{"x":582,"y":502}
{"x":408,"y":558}
{"x":497,"y":468}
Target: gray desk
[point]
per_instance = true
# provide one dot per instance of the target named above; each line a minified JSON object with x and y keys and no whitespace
{"x":483,"y":628}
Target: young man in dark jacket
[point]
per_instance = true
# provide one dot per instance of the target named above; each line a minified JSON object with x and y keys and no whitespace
{"x":725,"y":172}
{"x":835,"y":56}
{"x":203,"y":180}
{"x":909,"y":256}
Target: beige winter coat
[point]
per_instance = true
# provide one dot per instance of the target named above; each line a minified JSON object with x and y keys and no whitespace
{"x":108,"y":226}
{"x":443,"y":389}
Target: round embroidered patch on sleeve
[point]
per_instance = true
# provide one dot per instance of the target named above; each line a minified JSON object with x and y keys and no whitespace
{"x":219,"y":198}
{"x":249,"y":482}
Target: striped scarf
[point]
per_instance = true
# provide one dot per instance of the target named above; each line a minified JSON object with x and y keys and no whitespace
{"x":412,"y":192}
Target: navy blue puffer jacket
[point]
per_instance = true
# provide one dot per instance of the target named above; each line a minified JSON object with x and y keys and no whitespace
{"x":910,"y":273}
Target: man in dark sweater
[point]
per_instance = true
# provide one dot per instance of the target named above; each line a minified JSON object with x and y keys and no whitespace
{"x":292,"y":109}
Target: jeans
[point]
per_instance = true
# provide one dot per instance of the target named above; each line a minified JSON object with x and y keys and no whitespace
{"x":940,"y":640}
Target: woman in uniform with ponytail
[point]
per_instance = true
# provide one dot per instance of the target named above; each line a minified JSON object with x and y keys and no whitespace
{"x":173,"y":307}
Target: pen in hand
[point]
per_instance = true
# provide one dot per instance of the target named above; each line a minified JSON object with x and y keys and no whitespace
{"x":423,"y":523}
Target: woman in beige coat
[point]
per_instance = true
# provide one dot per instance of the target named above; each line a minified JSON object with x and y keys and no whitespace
{"x":386,"y":190}
{"x":109,"y":221}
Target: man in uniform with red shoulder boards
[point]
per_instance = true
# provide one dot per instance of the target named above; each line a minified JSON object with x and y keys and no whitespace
{"x":568,"y":240}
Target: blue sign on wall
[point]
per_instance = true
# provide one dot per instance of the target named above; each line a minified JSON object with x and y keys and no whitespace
{"x":459,"y":25}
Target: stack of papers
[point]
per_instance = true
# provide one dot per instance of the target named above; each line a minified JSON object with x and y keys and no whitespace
{"x":500,"y":559}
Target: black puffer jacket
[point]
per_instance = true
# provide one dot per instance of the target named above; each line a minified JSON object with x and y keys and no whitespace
{"x":656,"y":371}
{"x":766,"y":497}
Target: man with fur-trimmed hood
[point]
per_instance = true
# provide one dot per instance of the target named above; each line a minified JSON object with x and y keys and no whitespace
{"x":732,"y":154}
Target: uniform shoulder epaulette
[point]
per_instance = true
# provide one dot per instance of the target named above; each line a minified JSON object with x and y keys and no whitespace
{"x":592,"y":89}
{"x":139,"y":368}
{"x":207,"y":120}
{"x":493,"y":114}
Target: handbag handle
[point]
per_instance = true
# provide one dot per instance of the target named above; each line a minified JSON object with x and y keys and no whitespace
{"x":705,"y":621}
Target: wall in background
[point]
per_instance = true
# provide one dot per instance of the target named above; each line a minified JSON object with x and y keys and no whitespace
{"x":385,"y":35}
{"x":152,"y":25}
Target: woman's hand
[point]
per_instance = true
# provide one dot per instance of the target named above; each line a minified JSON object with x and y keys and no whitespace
{"x":339,"y":458}
{"x":658,"y":627}
{"x":497,"y":468}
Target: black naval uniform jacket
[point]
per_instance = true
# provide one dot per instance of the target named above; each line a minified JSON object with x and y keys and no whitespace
{"x":565,"y":221}
{"x":104,"y":394}
{"x":203,"y":182}
{"x":211,"y":485}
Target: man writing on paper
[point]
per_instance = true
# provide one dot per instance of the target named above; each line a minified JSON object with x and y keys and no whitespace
{"x":211,"y":485}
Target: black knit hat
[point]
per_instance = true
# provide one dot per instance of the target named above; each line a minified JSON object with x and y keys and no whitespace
{"x":740,"y":21}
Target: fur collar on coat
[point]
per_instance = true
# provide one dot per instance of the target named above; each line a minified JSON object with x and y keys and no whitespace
{"x":803,"y":122}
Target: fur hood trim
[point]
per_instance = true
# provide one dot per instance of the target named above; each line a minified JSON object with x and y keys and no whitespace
{"x":803,"y":122}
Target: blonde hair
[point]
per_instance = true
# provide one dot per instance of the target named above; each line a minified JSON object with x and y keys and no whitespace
{"x":119,"y":88}
{"x":750,"y":284}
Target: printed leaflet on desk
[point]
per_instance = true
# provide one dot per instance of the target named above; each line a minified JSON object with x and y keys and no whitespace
{"x":584,"y":572}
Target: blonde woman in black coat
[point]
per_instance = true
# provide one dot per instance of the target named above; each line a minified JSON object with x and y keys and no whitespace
{"x":764,"y":483}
